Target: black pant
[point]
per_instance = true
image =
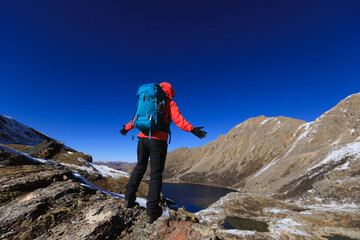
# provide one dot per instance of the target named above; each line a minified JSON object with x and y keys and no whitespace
{"x":156,"y":150}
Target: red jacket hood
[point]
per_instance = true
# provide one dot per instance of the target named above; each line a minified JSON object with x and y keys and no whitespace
{"x":170,"y":92}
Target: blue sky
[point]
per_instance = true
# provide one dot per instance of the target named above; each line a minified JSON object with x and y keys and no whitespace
{"x":71,"y":69}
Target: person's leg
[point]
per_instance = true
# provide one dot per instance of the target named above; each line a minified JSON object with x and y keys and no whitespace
{"x":143,"y":154}
{"x":158,"y":151}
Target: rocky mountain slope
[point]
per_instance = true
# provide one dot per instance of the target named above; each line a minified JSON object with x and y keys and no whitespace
{"x":42,"y":199}
{"x":50,"y":191}
{"x":13,"y":132}
{"x":277,"y":155}
{"x":233,"y":157}
{"x":304,"y":185}
{"x":325,"y":151}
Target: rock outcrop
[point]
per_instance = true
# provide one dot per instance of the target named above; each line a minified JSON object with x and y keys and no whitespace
{"x":46,"y":201}
{"x":42,"y":199}
{"x":50,"y":191}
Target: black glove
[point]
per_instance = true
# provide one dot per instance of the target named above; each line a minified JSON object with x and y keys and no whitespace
{"x":198,"y":132}
{"x":123,"y":131}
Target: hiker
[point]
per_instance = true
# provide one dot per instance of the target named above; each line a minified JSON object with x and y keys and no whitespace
{"x":154,"y":145}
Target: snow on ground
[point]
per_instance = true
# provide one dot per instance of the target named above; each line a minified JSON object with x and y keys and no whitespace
{"x":141,"y":201}
{"x":336,"y":141}
{"x":346,"y":207}
{"x":348,"y":150}
{"x":276,"y":127}
{"x":16,"y":132}
{"x":91,"y":168}
{"x":266,"y":167}
{"x":103,"y":170}
{"x":106,"y":171}
{"x":343,"y":167}
{"x":287,"y":224}
{"x":263,"y":122}
{"x":305,"y":130}
{"x":83,"y":168}
{"x":275,"y":210}
{"x":238,"y":233}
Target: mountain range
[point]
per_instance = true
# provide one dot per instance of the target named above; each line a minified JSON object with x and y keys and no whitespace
{"x":294,"y":180}
{"x":278,"y":155}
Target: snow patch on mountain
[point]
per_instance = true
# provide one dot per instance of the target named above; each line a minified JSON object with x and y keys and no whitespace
{"x":106,"y":171}
{"x":287,"y":225}
{"x":102,"y":170}
{"x":349,"y":150}
{"x":13,"y":132}
{"x":305,"y":130}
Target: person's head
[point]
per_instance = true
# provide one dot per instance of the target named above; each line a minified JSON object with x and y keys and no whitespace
{"x":170,"y":92}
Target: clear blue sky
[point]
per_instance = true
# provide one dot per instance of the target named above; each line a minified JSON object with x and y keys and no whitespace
{"x":71,"y":69}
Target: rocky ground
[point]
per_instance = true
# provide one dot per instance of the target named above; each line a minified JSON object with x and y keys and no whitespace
{"x":259,"y":217}
{"x":42,"y":199}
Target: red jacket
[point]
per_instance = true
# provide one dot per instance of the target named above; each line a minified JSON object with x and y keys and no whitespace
{"x":172,"y":111}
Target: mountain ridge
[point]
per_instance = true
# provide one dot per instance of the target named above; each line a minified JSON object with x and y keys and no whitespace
{"x":255,"y":152}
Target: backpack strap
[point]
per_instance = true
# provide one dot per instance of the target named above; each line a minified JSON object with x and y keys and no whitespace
{"x":169,"y":135}
{"x":133,"y":120}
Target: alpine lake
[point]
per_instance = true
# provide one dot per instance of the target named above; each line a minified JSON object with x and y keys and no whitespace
{"x":193,"y":197}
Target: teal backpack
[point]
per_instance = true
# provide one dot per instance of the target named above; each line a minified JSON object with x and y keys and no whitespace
{"x":149,"y":112}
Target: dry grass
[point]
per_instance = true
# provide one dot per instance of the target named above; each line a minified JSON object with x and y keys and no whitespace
{"x":119,"y":185}
{"x":18,"y":147}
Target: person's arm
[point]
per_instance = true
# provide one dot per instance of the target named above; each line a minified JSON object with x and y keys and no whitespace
{"x":178,"y":119}
{"x":127,"y":128}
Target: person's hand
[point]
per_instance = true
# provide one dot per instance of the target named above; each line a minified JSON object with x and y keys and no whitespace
{"x":123,"y":131}
{"x":198,"y":132}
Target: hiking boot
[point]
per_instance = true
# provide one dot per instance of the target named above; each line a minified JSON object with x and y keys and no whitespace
{"x":131,"y":204}
{"x":152,"y":218}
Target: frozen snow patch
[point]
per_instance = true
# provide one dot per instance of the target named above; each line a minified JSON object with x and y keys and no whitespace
{"x":275,"y":210}
{"x":349,"y":150}
{"x":335,"y":207}
{"x":344,"y":166}
{"x":83,"y":168}
{"x":336,"y":142}
{"x":266,"y":120}
{"x":305,"y":130}
{"x":109,"y":172}
{"x":240,"y":233}
{"x":288,"y":225}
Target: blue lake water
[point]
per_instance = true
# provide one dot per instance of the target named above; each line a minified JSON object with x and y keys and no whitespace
{"x":193,"y":197}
